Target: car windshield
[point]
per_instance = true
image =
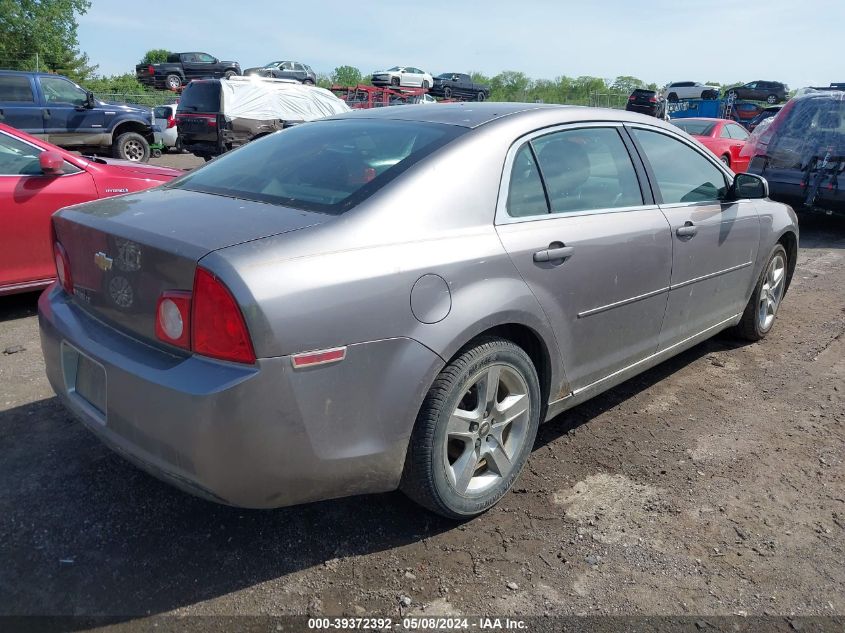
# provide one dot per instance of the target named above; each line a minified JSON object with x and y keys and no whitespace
{"x":445,"y":75}
{"x":200,"y":96}
{"x":394,"y":68}
{"x":324,"y":166}
{"x":696,"y":128}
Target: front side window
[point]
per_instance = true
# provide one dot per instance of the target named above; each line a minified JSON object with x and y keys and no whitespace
{"x":526,"y":196}
{"x":62,"y":92}
{"x":587,"y":169}
{"x":203,"y":58}
{"x":16,"y":88}
{"x":682,"y":174}
{"x":324,"y":166}
{"x":21,"y":159}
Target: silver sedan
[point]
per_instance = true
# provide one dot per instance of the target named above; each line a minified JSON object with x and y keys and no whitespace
{"x":397,"y":298}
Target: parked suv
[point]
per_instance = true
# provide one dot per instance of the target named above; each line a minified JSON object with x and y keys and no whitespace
{"x":689,"y":90}
{"x":768,"y":91}
{"x":647,"y":102}
{"x":802,"y":152}
{"x":55,"y":109}
{"x":216,"y":116}
{"x":298,"y":71}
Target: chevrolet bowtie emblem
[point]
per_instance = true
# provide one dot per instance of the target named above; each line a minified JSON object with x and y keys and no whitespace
{"x":103,"y":261}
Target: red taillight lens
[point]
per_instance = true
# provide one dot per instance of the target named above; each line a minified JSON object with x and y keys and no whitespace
{"x":632,"y":98}
{"x":652,"y":100}
{"x":173,"y":318}
{"x":151,"y":70}
{"x":171,"y":122}
{"x":218,"y":329}
{"x":62,"y":267}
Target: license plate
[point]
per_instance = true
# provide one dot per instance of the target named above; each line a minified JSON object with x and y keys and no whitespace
{"x":85,"y":378}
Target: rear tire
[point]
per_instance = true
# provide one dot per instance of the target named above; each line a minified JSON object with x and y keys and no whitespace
{"x":725,"y":159}
{"x":475,"y":430}
{"x":229,"y":74}
{"x":131,"y":146}
{"x":447,"y":92}
{"x":772,"y":99}
{"x":673,"y":97}
{"x":425,"y":84}
{"x":394,"y":81}
{"x":308,"y":82}
{"x":758,"y":319}
{"x":480,"y":96}
{"x":173,"y":82}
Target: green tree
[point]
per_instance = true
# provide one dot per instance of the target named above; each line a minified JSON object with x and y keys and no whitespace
{"x":155,"y":56}
{"x":42,"y":34}
{"x":626,"y":84}
{"x":346,"y":76}
{"x":510,"y":85}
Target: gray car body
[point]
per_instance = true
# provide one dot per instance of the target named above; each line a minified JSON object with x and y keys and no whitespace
{"x":404,"y":282}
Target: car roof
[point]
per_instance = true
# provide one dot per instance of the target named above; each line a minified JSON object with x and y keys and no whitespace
{"x":474,"y":114}
{"x":703,"y":118}
{"x":30,"y":73}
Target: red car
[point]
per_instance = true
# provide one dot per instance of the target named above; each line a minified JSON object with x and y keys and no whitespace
{"x":722,"y":137}
{"x":36,"y":179}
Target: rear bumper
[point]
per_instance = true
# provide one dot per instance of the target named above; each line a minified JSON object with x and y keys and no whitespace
{"x":256,"y":436}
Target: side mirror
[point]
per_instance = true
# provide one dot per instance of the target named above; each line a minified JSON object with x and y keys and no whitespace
{"x":89,"y":100}
{"x":51,"y":163}
{"x":749,"y":186}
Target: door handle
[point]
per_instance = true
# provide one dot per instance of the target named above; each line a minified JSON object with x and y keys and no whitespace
{"x":687,"y":230}
{"x":556,"y":251}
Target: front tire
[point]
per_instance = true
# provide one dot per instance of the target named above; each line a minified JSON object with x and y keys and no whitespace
{"x":229,"y":74}
{"x":772,"y":99}
{"x":425,"y":84}
{"x":475,"y":430}
{"x":480,"y":96}
{"x":394,"y":81}
{"x":447,"y":92}
{"x":131,"y":146}
{"x":758,"y":319}
{"x":673,"y":97}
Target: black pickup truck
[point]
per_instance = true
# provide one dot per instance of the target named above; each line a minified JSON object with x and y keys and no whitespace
{"x":181,"y":68}
{"x":459,"y":86}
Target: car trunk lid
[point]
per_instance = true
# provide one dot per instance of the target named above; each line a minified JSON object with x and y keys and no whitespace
{"x":121,"y":260}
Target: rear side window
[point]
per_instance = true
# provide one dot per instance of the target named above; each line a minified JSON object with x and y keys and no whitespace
{"x":16,"y":88}
{"x":324,"y":166}
{"x":587,"y":169}
{"x":200,"y":96}
{"x":683,"y":175}
{"x":736,"y":132}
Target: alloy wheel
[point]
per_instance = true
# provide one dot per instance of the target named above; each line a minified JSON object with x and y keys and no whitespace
{"x":487,"y":430}
{"x":771,"y":292}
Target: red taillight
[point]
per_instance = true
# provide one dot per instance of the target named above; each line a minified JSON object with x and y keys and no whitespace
{"x":632,"y":98}
{"x":173,"y":318}
{"x":217,"y":325}
{"x":171,"y":122}
{"x":652,"y":100}
{"x":151,"y":70}
{"x":62,"y":266}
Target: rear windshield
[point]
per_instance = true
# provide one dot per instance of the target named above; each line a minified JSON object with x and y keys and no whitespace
{"x":813,"y":128}
{"x":162,"y":112}
{"x":325,"y":166}
{"x":696,"y":128}
{"x":644,"y":93}
{"x":200,"y":96}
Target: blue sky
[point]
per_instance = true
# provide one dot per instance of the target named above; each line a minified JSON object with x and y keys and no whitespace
{"x":658,"y":40}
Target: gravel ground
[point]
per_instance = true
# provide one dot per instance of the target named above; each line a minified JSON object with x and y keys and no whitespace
{"x":712,"y":484}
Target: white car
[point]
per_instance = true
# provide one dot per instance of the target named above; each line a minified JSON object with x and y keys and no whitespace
{"x":165,"y":118}
{"x":689,"y":90}
{"x":403,"y":76}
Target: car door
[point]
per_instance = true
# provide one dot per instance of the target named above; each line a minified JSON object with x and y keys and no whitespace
{"x":714,"y":241}
{"x":413,"y":77}
{"x":596,"y":253}
{"x":19,"y":105}
{"x":27,"y":200}
{"x":67,"y":119}
{"x":738,"y":136}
